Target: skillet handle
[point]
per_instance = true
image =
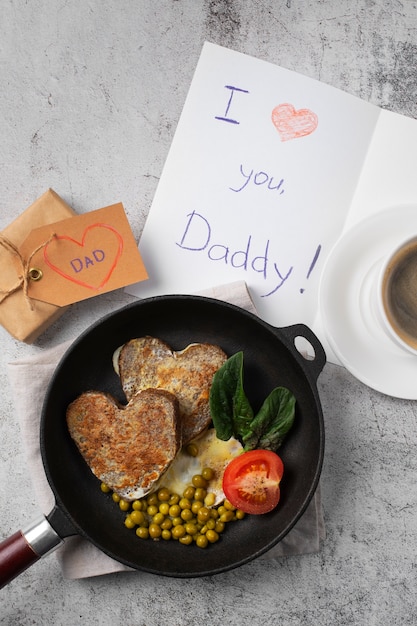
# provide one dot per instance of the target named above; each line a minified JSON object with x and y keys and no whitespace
{"x":314,"y":362}
{"x":25,"y":547}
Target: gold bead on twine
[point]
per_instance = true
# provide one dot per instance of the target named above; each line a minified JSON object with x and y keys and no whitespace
{"x":28,"y":273}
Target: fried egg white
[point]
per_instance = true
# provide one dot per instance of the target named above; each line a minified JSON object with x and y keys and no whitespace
{"x":213,"y":453}
{"x":115,"y":359}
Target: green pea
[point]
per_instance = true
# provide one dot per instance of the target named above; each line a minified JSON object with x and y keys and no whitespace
{"x":207,"y":473}
{"x":158,"y":518}
{"x":173,"y":499}
{"x":152,"y":510}
{"x":191,"y":529}
{"x":210,"y":499}
{"x":152,"y":499}
{"x":199,"y":481}
{"x":186,"y":540}
{"x":178,"y":531}
{"x":174,"y":510}
{"x":203,"y":514}
{"x":167,"y":524}
{"x":212,"y":536}
{"x":200,"y":494}
{"x":192,"y":449}
{"x":219,"y":527}
{"x":196,"y":506}
{"x":129,"y":523}
{"x":124,"y":505}
{"x":188,"y":493}
{"x":137,"y":517}
{"x":155,"y":531}
{"x":187,"y":515}
{"x":164,"y":508}
{"x":142,"y":532}
{"x":201,"y":541}
{"x":184,"y":503}
{"x":163,"y":494}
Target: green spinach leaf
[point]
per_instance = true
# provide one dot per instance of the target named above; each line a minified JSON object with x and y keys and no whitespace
{"x":230,"y":408}
{"x":273,"y":421}
{"x":233,"y":415}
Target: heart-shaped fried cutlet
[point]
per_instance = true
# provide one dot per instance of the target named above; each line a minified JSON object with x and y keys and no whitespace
{"x":148,"y":362}
{"x":128,"y":448}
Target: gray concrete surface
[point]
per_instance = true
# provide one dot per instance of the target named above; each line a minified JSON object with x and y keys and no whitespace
{"x":90,"y":94}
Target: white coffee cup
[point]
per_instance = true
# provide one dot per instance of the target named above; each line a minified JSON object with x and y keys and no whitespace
{"x":397,"y":295}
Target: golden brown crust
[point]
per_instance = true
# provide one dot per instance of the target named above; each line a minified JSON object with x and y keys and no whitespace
{"x":148,"y":362}
{"x":129,"y":447}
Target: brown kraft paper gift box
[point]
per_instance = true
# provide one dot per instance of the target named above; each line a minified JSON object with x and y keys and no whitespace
{"x":25,"y":319}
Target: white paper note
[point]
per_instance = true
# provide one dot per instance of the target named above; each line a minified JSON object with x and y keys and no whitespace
{"x":257,"y":186}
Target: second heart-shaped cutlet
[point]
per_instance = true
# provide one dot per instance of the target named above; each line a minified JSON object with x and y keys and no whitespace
{"x":128,"y":448}
{"x":148,"y":362}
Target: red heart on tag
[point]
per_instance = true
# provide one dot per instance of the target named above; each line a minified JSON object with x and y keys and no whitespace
{"x":292,"y":124}
{"x":89,"y":262}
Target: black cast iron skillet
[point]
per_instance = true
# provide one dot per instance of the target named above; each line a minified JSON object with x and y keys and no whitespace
{"x":270,"y":358}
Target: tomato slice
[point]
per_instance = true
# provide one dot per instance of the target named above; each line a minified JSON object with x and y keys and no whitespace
{"x":251,"y":481}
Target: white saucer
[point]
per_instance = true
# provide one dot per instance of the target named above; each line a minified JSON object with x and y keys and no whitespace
{"x":347,"y":296}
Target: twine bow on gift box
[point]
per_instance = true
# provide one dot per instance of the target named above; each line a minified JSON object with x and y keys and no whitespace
{"x":27,"y":273}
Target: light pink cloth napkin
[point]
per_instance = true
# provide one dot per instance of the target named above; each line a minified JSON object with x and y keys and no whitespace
{"x":77,"y":557}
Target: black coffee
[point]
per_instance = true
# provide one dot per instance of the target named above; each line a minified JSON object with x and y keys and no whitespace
{"x":399,"y":291}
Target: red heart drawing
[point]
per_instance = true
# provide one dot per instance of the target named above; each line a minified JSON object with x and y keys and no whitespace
{"x":66,"y":255}
{"x":292,"y":124}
